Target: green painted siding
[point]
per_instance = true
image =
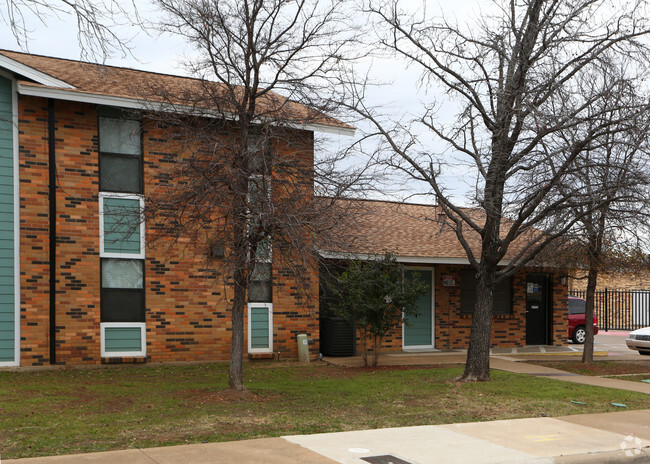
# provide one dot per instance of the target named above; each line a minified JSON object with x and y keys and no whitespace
{"x":417,"y":331}
{"x":259,"y":327}
{"x":122,"y":339}
{"x":121,"y":225}
{"x":7,"y":289}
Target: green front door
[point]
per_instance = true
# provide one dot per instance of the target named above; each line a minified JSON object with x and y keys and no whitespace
{"x":418,"y":329}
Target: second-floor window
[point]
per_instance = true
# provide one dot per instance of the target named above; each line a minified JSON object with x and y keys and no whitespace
{"x":120,"y":155}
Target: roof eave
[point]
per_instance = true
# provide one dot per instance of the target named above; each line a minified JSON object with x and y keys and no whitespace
{"x":402,"y":259}
{"x":28,"y":72}
{"x":140,"y":104}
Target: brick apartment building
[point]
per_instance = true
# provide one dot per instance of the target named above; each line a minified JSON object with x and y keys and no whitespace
{"x":75,"y":288}
{"x":530,"y":308}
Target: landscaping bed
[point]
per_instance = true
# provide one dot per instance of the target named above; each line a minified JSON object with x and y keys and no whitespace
{"x":67,"y":411}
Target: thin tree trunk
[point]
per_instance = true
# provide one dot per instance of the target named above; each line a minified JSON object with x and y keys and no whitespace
{"x":376,"y":343}
{"x":592,"y":280}
{"x":235,"y":373}
{"x":364,"y":344}
{"x":240,"y":282}
{"x":477,"y":367}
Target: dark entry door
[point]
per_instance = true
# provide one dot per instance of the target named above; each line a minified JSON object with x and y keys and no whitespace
{"x":536,"y":310}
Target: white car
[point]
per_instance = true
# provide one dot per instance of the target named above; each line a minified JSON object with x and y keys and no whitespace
{"x":639,"y":340}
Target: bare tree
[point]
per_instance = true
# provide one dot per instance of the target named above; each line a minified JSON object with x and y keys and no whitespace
{"x":98,"y":22}
{"x":515,"y":77}
{"x":611,"y":189}
{"x":244,"y":176}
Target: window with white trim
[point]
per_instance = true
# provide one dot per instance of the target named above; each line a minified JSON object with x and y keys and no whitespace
{"x":120,"y":154}
{"x":260,"y":289}
{"x":122,"y":235}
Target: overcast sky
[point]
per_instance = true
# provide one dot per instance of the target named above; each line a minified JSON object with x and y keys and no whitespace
{"x":57,"y":37}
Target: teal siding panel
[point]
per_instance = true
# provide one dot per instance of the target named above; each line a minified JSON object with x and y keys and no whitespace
{"x":121,"y":225}
{"x":122,"y":339}
{"x":7,"y":271}
{"x":7,"y":290}
{"x":7,"y":285}
{"x":418,"y":328}
{"x":259,"y":327}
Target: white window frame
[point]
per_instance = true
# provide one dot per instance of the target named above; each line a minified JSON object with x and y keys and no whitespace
{"x":269,"y":308}
{"x":126,"y":196}
{"x":123,"y":354}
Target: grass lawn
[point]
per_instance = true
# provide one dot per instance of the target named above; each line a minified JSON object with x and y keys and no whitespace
{"x":599,"y":368}
{"x":73,"y":410}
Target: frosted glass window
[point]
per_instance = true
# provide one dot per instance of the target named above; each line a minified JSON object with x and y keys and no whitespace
{"x":119,"y":136}
{"x":122,"y":273}
{"x":259,"y":286}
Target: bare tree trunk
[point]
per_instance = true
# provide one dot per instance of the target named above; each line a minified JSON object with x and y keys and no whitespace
{"x":588,"y":348}
{"x":235,"y":373}
{"x":477,"y":367}
{"x":592,"y":281}
{"x":240,"y":281}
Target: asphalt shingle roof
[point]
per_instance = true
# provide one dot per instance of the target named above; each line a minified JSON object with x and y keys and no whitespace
{"x":140,"y":85}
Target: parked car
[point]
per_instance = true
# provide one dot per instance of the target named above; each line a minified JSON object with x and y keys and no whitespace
{"x":577,"y":332}
{"x":639,"y":340}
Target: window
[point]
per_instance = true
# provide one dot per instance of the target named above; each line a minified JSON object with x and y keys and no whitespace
{"x":121,"y":227}
{"x":502,"y":294}
{"x":122,"y":294}
{"x":120,"y":155}
{"x":259,"y":196}
{"x":577,"y":306}
{"x":260,"y":289}
{"x":259,"y":285}
{"x":260,"y":328}
{"x":121,"y":235}
{"x":258,"y":162}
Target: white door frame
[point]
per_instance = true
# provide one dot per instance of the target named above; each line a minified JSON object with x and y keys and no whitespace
{"x":433,"y":311}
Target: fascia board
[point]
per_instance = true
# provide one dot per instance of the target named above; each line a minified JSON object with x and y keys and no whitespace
{"x":402,"y":259}
{"x":133,"y":103}
{"x":31,"y":73}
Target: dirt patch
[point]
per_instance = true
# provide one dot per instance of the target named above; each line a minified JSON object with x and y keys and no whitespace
{"x":341,"y":372}
{"x":227,"y":396}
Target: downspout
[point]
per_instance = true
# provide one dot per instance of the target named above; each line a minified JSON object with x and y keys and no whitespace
{"x":52,"y":219}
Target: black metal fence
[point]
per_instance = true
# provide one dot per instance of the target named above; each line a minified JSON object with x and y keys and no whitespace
{"x":620,"y":309}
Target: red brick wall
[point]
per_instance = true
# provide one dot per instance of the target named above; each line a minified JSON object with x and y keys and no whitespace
{"x":452,"y":328}
{"x":186,"y":299}
{"x":34,"y":231}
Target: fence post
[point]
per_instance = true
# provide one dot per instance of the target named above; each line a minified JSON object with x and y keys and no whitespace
{"x":606,"y":312}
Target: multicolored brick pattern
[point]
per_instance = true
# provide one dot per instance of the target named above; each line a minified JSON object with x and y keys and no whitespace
{"x":186,"y":296}
{"x":452,"y":328}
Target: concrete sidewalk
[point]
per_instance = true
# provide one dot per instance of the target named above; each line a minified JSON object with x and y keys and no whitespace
{"x":621,"y":437}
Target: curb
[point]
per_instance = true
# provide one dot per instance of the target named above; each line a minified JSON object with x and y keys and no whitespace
{"x":632,"y":455}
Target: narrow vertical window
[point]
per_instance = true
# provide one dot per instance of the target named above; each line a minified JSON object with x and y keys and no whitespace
{"x":123,"y":328}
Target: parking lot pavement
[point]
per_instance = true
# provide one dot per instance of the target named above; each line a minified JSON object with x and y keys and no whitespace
{"x":614,"y":343}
